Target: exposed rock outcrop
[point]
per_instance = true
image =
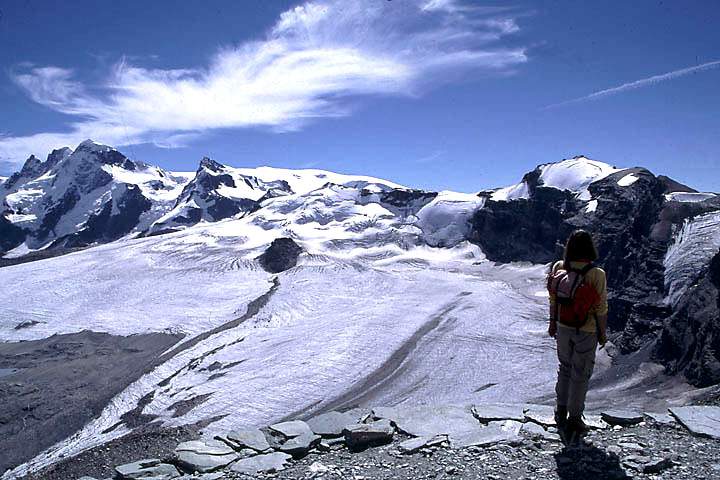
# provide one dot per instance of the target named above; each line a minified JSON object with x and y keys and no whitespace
{"x":633,"y":221}
{"x":281,"y":255}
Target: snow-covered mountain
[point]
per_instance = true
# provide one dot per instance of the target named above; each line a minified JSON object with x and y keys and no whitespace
{"x":90,"y":195}
{"x":393,"y":295}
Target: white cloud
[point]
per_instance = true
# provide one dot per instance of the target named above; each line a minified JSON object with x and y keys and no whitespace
{"x":644,"y":82}
{"x":314,"y":58}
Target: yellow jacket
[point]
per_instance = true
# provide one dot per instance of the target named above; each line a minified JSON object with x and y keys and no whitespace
{"x":596,"y":278}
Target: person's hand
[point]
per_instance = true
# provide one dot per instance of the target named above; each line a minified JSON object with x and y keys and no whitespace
{"x":602,"y":339}
{"x":552,"y":328}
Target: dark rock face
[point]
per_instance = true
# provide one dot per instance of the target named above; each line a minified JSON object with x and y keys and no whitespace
{"x":106,"y":227}
{"x":10,"y":235}
{"x":632,"y":226}
{"x":281,"y":255}
{"x":55,"y":211}
{"x":525,"y":230}
{"x":690,"y":341}
{"x":33,"y":167}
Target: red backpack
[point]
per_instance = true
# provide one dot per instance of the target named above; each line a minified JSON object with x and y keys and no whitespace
{"x":573,"y":297}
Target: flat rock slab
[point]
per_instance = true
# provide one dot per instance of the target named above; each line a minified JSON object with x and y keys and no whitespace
{"x":205,"y":447}
{"x":300,"y":445}
{"x":622,"y":417}
{"x":267,"y":463}
{"x":291,"y":429}
{"x":332,"y":424}
{"x":416,"y":444}
{"x":542,"y":414}
{"x":150,"y":468}
{"x":661,"y":418}
{"x":703,"y":421}
{"x":205,"y":456}
{"x":595,"y":421}
{"x":498,"y":411}
{"x":251,"y":438}
{"x":363,"y":435}
{"x":484,"y":436}
{"x":428,"y":421}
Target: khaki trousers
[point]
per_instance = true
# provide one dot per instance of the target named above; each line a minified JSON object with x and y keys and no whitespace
{"x":576,"y":354}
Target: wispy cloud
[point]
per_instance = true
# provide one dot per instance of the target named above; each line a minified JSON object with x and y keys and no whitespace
{"x":431,"y":158}
{"x":313,"y":60}
{"x":644,"y":82}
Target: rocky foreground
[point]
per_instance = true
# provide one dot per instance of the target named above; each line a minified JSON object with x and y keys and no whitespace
{"x":483,"y":441}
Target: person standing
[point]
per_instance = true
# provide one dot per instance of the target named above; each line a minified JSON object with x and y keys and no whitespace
{"x":578,"y":322}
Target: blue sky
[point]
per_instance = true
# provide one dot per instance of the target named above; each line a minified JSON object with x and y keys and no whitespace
{"x":439,"y":94}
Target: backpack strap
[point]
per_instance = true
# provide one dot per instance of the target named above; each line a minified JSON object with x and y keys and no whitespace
{"x":584,"y":271}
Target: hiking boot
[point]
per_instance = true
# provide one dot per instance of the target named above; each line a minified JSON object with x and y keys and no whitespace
{"x":561,"y":417}
{"x":575,"y":425}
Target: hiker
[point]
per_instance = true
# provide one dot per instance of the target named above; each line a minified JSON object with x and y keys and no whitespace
{"x":578,"y":321}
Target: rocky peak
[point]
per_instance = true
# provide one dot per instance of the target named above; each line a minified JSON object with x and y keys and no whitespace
{"x":210,"y":164}
{"x":34,"y":167}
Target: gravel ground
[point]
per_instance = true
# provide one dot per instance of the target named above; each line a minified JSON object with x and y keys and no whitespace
{"x":604,"y":455}
{"x":614,"y":453}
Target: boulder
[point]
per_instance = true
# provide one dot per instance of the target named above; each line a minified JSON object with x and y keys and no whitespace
{"x":622,"y":417}
{"x":150,"y":468}
{"x":703,"y":421}
{"x":204,"y":456}
{"x":267,"y":463}
{"x":363,"y":435}
{"x":281,"y":255}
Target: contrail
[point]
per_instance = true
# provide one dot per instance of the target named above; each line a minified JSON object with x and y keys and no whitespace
{"x":644,"y":82}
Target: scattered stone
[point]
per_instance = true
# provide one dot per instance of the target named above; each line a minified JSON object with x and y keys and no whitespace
{"x":661,"y":418}
{"x":622,"y":417}
{"x":703,"y":421}
{"x":364,"y":435}
{"x":150,"y":468}
{"x":328,"y":444}
{"x":535,"y":431}
{"x":331,"y":424}
{"x":318,"y":468}
{"x":657,"y":465}
{"x":266,"y":463}
{"x":205,"y":456}
{"x":636,"y":462}
{"x":494,"y":412}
